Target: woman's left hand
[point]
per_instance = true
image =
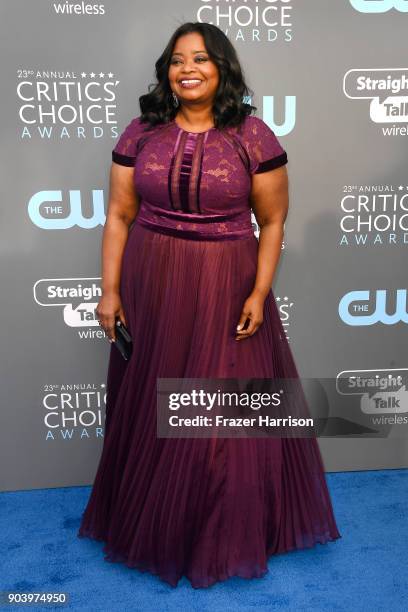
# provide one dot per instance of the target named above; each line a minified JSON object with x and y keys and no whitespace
{"x":253,"y":310}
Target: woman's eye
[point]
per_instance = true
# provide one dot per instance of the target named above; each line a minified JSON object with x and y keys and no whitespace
{"x":200,"y":59}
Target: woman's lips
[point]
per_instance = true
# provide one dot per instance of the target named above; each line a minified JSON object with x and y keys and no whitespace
{"x":190,"y":85}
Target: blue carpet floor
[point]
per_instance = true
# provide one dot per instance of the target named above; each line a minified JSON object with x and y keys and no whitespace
{"x":365,"y":570}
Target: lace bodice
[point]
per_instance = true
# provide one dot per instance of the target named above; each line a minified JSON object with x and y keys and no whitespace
{"x":197,"y":181}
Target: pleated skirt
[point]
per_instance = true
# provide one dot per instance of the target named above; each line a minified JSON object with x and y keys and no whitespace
{"x":206,"y":509}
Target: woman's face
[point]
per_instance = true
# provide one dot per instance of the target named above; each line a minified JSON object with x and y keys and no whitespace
{"x":193,"y":75}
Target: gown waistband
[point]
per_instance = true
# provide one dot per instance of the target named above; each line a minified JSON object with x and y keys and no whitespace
{"x":229,"y":226}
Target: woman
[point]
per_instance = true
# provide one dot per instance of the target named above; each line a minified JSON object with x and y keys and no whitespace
{"x":193,"y":286}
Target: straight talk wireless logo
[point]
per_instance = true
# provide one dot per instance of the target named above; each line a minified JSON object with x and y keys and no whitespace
{"x":78,"y":8}
{"x":387,"y":91}
{"x":381,"y":394}
{"x":78,"y":298}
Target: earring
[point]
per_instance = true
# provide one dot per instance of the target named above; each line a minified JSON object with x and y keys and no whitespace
{"x":175,"y":100}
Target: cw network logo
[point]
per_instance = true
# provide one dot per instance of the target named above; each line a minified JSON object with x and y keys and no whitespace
{"x":268,"y":113}
{"x":44,"y":211}
{"x":379,"y":6}
{"x":366,"y":307}
{"x":78,"y":298}
{"x":289,"y":113}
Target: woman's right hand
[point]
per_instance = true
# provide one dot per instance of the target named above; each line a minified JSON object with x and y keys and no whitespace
{"x":107,"y":311}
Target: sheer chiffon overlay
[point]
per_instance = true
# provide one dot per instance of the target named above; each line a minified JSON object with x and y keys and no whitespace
{"x":207,"y":509}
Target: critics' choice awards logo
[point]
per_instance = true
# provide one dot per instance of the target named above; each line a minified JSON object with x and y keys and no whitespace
{"x":387,"y":90}
{"x":379,"y":6}
{"x":369,"y":307}
{"x":382,"y":394}
{"x":78,"y":298}
{"x":74,"y":410}
{"x":373,"y":215}
{"x":259,"y":21}
{"x":285,"y":306}
{"x":64,"y":105}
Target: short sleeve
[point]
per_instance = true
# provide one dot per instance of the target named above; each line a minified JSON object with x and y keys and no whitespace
{"x":264,"y":149}
{"x":124,"y":152}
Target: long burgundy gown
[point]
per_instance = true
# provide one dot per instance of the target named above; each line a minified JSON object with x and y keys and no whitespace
{"x":201,"y":508}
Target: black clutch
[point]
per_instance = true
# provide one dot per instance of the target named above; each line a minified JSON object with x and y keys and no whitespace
{"x":123,"y":340}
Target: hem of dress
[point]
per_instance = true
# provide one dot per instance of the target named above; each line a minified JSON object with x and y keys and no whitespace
{"x":112,"y":556}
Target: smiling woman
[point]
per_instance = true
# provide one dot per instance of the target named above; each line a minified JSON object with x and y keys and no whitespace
{"x":184,"y":271}
{"x":193,"y":76}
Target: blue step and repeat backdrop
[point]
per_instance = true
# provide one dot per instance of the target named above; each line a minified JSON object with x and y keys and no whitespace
{"x":330,"y":77}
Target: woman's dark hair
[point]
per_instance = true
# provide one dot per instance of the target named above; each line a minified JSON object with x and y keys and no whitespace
{"x":229,"y":109}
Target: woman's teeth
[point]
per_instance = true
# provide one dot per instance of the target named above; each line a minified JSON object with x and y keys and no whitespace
{"x":190,"y":83}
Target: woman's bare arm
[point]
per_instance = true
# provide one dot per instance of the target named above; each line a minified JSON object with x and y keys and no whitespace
{"x":270,"y":203}
{"x":122,"y":209}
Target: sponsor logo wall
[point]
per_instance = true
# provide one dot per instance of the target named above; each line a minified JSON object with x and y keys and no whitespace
{"x":330,"y":83}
